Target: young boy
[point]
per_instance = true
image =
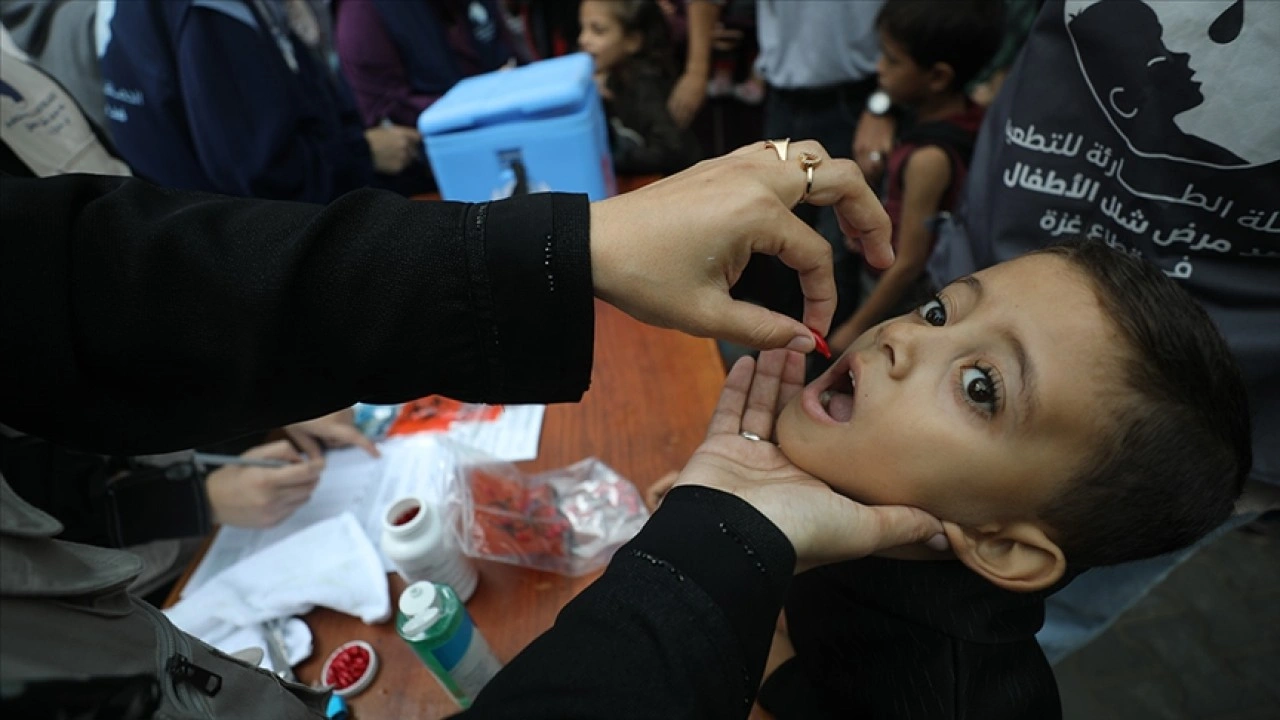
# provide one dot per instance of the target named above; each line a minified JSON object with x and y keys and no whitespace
{"x":1070,"y":408}
{"x":929,"y":51}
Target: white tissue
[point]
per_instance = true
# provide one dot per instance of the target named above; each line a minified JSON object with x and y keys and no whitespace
{"x":330,"y":564}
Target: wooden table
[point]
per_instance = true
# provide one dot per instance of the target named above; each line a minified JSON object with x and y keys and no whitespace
{"x":652,"y":393}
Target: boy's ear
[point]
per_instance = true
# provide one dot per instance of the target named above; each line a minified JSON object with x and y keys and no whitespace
{"x":1017,"y":556}
{"x":940,"y":77}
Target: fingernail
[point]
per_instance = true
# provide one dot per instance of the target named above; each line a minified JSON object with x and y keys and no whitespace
{"x":820,"y":344}
{"x":802,"y":343}
{"x":938,"y":542}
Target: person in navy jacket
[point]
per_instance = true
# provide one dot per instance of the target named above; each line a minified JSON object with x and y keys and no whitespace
{"x":238,"y":97}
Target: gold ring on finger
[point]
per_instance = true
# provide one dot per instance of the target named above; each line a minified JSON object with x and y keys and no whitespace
{"x":808,"y":161}
{"x":779,"y":146}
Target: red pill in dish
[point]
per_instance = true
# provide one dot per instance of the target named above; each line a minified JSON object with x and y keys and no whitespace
{"x":350,"y":668}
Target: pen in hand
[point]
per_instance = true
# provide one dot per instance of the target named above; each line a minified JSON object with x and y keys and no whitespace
{"x":207,"y":459}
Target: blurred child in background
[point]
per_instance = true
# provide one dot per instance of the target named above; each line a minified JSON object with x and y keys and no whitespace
{"x":929,"y":53}
{"x":635,"y":71}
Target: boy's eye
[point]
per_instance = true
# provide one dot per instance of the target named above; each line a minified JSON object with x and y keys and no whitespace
{"x":934,"y":312}
{"x":980,"y":389}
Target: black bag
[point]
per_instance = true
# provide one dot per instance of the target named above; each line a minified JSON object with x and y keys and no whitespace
{"x":77,"y":645}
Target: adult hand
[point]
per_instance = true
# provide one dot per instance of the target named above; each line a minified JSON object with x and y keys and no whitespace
{"x":687,"y":96}
{"x":393,"y":147}
{"x":260,"y":497}
{"x":332,"y":430}
{"x":822,"y":526}
{"x":668,"y":253}
{"x":872,"y":142}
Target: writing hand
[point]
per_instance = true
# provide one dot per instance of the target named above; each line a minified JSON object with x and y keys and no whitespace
{"x":260,"y":497}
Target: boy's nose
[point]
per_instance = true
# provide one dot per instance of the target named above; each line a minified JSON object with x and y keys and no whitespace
{"x":899,"y":340}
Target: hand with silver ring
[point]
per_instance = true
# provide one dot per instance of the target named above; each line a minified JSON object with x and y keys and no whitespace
{"x":748,"y":405}
{"x":821,"y":525}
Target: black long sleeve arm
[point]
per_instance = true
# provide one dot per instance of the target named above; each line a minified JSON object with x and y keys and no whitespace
{"x":135,"y":319}
{"x":678,"y":626}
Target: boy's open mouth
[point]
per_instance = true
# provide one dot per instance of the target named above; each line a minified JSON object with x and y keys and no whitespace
{"x":830,"y":398}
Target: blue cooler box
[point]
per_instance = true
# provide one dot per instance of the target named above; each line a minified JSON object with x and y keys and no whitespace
{"x":531,"y":129}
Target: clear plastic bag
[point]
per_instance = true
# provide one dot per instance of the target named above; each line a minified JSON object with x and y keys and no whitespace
{"x":569,"y":520}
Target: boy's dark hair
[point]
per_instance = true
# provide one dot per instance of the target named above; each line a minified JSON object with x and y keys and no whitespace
{"x":1180,"y":449}
{"x":964,"y":34}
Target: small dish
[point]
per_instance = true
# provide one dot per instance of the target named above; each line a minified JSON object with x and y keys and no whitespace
{"x":350,"y":668}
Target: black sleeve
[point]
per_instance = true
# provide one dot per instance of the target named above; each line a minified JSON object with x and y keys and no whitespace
{"x":678,"y":626}
{"x":135,"y":319}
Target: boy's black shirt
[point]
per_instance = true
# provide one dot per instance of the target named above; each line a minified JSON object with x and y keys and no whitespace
{"x":879,"y":638}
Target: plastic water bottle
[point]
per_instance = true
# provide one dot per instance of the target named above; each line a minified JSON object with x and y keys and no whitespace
{"x":437,"y":626}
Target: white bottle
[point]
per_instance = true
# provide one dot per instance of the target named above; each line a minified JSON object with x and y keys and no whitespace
{"x":421,"y":547}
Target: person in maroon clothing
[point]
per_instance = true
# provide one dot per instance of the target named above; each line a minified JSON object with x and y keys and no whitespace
{"x":928,"y":53}
{"x":400,"y":56}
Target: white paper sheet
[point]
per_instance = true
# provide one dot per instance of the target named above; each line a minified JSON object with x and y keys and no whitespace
{"x":355,"y":482}
{"x":514,"y":436}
